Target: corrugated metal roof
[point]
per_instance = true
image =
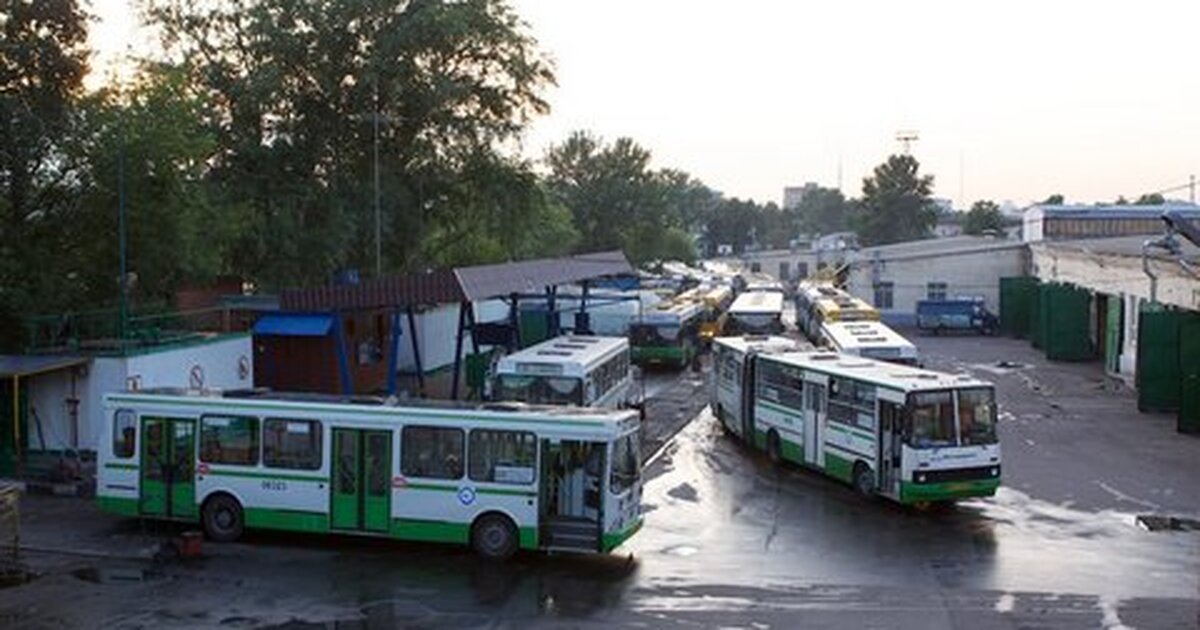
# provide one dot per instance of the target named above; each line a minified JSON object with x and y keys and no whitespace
{"x":27,"y":365}
{"x":446,"y":286}
{"x":435,"y":287}
{"x":488,"y":281}
{"x":293,"y":325}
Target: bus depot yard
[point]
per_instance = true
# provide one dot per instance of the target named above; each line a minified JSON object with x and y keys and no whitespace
{"x":1092,"y":526}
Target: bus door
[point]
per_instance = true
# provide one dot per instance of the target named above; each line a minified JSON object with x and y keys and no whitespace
{"x":889,"y":447}
{"x":362,"y":492}
{"x":571,"y":494}
{"x":749,"y":391}
{"x":814,"y":422}
{"x":168,"y":480}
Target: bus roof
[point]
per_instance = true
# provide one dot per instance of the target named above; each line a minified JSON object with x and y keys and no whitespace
{"x":890,"y":375}
{"x":575,"y":354}
{"x":864,"y":334}
{"x":762,"y":343}
{"x":671,"y":312}
{"x":758,"y":302}
{"x":386,"y":412}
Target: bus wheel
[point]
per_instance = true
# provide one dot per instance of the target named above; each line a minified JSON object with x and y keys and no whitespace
{"x":222,"y":517}
{"x":864,"y":479}
{"x":494,"y":537}
{"x":773,"y":450}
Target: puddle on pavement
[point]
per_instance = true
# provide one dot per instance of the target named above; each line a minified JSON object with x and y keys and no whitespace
{"x":1162,"y":523}
{"x":115,"y":575}
{"x":11,"y":575}
{"x":682,"y":551}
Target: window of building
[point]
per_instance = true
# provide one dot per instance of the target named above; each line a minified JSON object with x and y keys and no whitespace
{"x":229,"y":440}
{"x":431,"y":452}
{"x":784,"y":268}
{"x":124,"y":433}
{"x":801,"y":270}
{"x":755,"y":267}
{"x":884,"y":292}
{"x":502,"y":456}
{"x":292,"y":444}
{"x":935,"y":290}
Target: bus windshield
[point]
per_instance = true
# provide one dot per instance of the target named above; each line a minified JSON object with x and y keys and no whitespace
{"x":625,"y":464}
{"x":650,"y":335}
{"x":977,"y":416}
{"x":541,"y":390}
{"x":931,"y":420}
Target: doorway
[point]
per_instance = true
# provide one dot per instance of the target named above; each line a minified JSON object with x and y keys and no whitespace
{"x":362,"y":495}
{"x":572,"y":493}
{"x":168,"y":481}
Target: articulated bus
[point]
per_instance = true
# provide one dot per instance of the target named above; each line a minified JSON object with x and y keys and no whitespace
{"x":498,"y":477}
{"x":667,"y":334}
{"x":873,"y":340}
{"x":818,"y":302}
{"x":579,"y":370}
{"x":910,"y":435}
{"x":756,"y":312}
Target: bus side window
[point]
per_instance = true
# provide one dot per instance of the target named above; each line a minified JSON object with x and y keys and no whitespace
{"x":124,"y":433}
{"x":431,"y":452}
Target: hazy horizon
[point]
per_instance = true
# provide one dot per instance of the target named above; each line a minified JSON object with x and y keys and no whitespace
{"x":1011,"y":102}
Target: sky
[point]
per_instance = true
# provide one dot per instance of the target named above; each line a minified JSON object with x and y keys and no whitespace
{"x":1010,"y":101}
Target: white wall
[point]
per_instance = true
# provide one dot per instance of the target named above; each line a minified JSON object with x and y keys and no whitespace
{"x":966,"y":273}
{"x":168,"y":366}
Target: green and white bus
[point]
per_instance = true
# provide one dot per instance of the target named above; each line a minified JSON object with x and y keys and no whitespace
{"x":579,"y":370}
{"x":499,"y":477}
{"x":873,"y":340}
{"x":668,"y":334}
{"x":907,"y":434}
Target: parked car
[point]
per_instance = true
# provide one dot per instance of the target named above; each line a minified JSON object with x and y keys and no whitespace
{"x":956,"y":314}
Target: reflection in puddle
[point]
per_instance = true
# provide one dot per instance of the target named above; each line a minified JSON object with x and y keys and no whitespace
{"x":115,"y":575}
{"x":681,"y":550}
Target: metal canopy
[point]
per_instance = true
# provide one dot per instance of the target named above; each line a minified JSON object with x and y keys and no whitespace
{"x":294,"y":324}
{"x":464,"y":284}
{"x":489,"y":281}
{"x":28,"y":365}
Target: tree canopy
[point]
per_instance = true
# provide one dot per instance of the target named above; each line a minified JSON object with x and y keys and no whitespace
{"x":984,"y":216}
{"x":896,"y":204}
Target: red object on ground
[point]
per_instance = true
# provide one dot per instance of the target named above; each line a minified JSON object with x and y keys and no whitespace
{"x":189,"y":544}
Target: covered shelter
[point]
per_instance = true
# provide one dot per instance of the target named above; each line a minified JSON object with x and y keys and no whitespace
{"x":358,"y":325}
{"x":15,"y":372}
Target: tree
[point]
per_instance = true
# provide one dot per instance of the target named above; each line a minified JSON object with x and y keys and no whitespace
{"x":983,"y":216}
{"x":896,"y":203}
{"x":1151,"y":199}
{"x":43,"y":59}
{"x":823,"y":211}
{"x":299,"y":89}
{"x":1053,"y":200}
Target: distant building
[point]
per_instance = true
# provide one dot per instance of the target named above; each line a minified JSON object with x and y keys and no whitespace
{"x":949,"y":224}
{"x":793,"y":196}
{"x":1061,"y":222}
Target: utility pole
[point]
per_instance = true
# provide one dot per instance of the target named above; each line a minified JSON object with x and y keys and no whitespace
{"x":1192,"y":189}
{"x":124,"y":279}
{"x":378,"y":213}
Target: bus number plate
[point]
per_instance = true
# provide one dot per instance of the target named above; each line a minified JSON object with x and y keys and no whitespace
{"x":274,"y":485}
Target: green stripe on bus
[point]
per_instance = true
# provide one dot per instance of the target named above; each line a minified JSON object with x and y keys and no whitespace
{"x":492,"y":491}
{"x":431,"y":531}
{"x":120,"y":466}
{"x":117,"y":505}
{"x":290,"y":520}
{"x":608,"y":542}
{"x":838,"y":466}
{"x":789,"y":411}
{"x":262,"y":475}
{"x":850,"y":431}
{"x":950,"y":490}
{"x":316,"y":409}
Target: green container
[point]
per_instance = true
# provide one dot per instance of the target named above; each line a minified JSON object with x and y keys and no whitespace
{"x":534,"y":326}
{"x":1189,"y":373}
{"x":1158,"y":359}
{"x":1016,"y":300}
{"x":1066,"y":322}
{"x":1036,"y":317}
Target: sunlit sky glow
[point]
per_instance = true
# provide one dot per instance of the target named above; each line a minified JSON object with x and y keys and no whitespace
{"x":1012,"y":101}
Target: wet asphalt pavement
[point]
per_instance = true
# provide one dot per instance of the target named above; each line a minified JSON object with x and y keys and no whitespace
{"x":730,"y":541}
